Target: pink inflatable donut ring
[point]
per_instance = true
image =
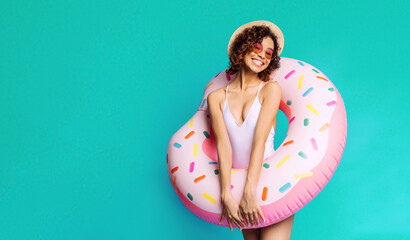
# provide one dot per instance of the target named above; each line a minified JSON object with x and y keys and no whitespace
{"x":290,"y":178}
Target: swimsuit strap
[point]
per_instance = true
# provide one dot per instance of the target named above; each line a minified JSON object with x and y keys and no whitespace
{"x":259,"y":89}
{"x":226,"y":95}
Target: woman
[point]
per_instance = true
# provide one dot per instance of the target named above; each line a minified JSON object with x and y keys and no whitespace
{"x":243,"y":118}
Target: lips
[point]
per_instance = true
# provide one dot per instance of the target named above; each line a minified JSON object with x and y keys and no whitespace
{"x":259,"y":61}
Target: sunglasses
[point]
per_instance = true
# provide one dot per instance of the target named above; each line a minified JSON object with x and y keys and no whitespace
{"x":258,"y":48}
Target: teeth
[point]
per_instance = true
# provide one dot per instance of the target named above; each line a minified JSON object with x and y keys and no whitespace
{"x":257,"y":62}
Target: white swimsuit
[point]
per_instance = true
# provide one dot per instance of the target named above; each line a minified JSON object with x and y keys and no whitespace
{"x":241,"y":136}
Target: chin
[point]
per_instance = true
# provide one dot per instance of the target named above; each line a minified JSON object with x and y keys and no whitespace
{"x":254,"y":68}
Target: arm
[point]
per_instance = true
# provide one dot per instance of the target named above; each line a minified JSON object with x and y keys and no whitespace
{"x":272,"y":94}
{"x":223,"y":144}
{"x":230,"y":207}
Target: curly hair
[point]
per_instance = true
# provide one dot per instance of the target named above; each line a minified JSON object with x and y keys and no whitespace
{"x":244,"y":42}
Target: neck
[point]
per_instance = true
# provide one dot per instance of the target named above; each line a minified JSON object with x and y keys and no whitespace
{"x":246,"y":78}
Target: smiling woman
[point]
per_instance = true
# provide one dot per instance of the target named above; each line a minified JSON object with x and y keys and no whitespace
{"x":224,"y":157}
{"x":246,"y":38}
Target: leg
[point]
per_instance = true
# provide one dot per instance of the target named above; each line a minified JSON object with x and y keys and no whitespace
{"x":278,"y":231}
{"x":251,"y":234}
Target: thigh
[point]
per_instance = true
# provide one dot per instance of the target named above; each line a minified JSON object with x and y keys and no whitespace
{"x":279,"y":231}
{"x":251,"y":234}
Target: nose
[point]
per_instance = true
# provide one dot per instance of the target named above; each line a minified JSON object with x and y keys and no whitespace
{"x":261,"y":55}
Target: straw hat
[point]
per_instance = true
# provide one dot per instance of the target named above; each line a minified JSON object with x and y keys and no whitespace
{"x":275,"y":29}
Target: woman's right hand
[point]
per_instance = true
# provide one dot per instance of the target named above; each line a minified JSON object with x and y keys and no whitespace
{"x":230,"y":211}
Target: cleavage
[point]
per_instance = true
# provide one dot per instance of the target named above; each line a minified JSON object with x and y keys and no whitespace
{"x":250,"y":104}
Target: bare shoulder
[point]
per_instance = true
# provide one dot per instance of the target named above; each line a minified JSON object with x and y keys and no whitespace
{"x":216,"y":94}
{"x":271,"y":90}
{"x":216,"y":98}
{"x":271,"y":87}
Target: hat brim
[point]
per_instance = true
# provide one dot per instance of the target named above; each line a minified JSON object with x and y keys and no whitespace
{"x":275,"y":29}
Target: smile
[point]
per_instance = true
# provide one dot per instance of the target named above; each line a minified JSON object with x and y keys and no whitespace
{"x":257,"y":62}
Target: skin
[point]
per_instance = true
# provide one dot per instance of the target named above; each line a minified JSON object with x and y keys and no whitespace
{"x":241,"y":94}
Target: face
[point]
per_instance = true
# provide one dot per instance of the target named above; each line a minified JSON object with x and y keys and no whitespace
{"x":257,"y":59}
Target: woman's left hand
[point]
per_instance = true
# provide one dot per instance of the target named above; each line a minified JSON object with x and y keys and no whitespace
{"x":250,"y":209}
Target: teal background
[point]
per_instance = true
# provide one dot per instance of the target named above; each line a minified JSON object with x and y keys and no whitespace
{"x":92,"y":91}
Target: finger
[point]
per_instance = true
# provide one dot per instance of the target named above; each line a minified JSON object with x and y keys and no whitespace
{"x":241,"y":219}
{"x":262,"y":216}
{"x":256,"y":217}
{"x":230,"y":223}
{"x":251,"y":219}
{"x":245,"y":223}
{"x":237,"y":223}
{"x":247,"y":219}
{"x":222,"y":218}
{"x":238,"y":217}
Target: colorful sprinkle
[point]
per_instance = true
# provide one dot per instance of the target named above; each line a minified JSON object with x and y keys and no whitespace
{"x":177,"y":145}
{"x":331,"y":89}
{"x":284,"y":187}
{"x":324,"y":127}
{"x":206,"y":134}
{"x":312,"y":109}
{"x":266,"y":165}
{"x":203,"y":102}
{"x":209,"y":198}
{"x":174,"y":169}
{"x":300,"y":81}
{"x":199,"y":178}
{"x":291,"y":119}
{"x":195,"y":153}
{"x":191,"y":166}
{"x":315,"y":71}
{"x":289,"y":102}
{"x":306,"y":121}
{"x":190,"y":196}
{"x":264,"y":193}
{"x":302,"y":154}
{"x":175,"y":180}
{"x":189,"y":134}
{"x":313,"y":141}
{"x":235,"y":170}
{"x":301,"y":63}
{"x":228,"y":77}
{"x":288,"y":143}
{"x":213,"y":163}
{"x":304,"y":175}
{"x":216,"y":171}
{"x":283,"y":160}
{"x":331,"y":103}
{"x":307,"y":92}
{"x":322,"y":78}
{"x":231,"y":186}
{"x":210,"y":84}
{"x":191,"y":122}
{"x":290,"y":73}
